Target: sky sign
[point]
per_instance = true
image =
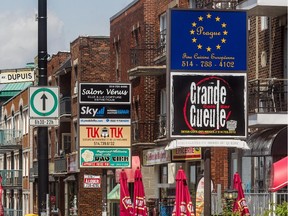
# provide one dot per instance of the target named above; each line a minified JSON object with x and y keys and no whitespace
{"x":208,"y":105}
{"x":208,"y":40}
{"x":104,"y":114}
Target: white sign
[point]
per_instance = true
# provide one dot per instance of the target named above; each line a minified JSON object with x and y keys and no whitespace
{"x":104,"y":121}
{"x":44,"y":122}
{"x":44,"y":105}
{"x":156,"y":156}
{"x":92,"y":181}
{"x":17,"y":76}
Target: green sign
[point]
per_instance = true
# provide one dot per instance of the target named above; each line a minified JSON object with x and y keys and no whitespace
{"x":44,"y":102}
{"x":105,"y":157}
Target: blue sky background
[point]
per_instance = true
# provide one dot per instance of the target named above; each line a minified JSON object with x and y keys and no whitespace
{"x":67,"y":19}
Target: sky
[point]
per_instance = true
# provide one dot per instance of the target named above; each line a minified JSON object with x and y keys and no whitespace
{"x":67,"y":20}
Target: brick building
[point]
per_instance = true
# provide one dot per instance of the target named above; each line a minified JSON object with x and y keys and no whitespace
{"x":90,"y":58}
{"x":87,"y":61}
{"x":139,"y":33}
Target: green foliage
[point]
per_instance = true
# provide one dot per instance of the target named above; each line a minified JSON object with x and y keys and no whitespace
{"x":228,"y":209}
{"x":280,"y":209}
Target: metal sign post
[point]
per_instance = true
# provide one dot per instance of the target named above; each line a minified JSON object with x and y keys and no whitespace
{"x":42,"y":131}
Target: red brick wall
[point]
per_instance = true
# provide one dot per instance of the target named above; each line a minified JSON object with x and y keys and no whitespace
{"x":147,"y":88}
{"x":53,"y":65}
{"x":264,"y":37}
{"x":141,"y":14}
{"x":55,"y":61}
{"x":220,"y":167}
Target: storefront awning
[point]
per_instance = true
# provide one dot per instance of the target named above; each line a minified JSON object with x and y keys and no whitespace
{"x":129,"y":172}
{"x":11,"y":89}
{"x":114,"y":195}
{"x":180,"y":143}
{"x":268,"y":141}
{"x":70,"y":178}
{"x":279,"y":174}
{"x":51,"y":178}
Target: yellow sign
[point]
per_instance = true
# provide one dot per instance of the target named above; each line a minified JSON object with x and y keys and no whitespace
{"x":186,"y":153}
{"x":105,"y":136}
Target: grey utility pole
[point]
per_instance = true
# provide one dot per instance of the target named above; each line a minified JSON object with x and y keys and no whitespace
{"x":42,"y":131}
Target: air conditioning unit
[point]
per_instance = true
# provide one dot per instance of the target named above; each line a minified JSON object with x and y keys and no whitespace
{"x":18,"y":139}
{"x":222,"y":5}
{"x":162,"y":131}
{"x":75,"y":89}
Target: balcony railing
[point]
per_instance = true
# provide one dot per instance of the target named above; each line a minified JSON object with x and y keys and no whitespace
{"x":217,"y":4}
{"x":12,"y":212}
{"x":162,"y":43}
{"x":12,"y":178}
{"x":143,"y":55}
{"x":144,"y":132}
{"x":10,"y":137}
{"x":267,"y":95}
{"x":60,"y":164}
{"x":34,"y":170}
{"x":65,"y":106}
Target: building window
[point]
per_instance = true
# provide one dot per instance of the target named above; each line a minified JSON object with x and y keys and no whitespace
{"x":163,"y":102}
{"x":35,"y":153}
{"x":75,"y":67}
{"x":56,"y":141}
{"x":194,"y":176}
{"x":163,"y":27}
{"x":117,"y":56}
{"x":192,"y":3}
{"x":75,"y":136}
{"x":49,"y":143}
{"x":264,"y":23}
{"x":21,"y":124}
{"x":135,"y":34}
{"x":26,"y":164}
{"x":66,"y":142}
{"x":26,"y":117}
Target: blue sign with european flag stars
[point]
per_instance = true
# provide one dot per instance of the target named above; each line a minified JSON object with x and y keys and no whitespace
{"x":208,"y":40}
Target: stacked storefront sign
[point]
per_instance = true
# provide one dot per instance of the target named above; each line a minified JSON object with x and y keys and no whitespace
{"x":105,"y":125}
{"x":207,"y":77}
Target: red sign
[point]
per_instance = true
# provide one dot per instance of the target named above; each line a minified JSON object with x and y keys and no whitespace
{"x":188,"y":153}
{"x":92,"y":181}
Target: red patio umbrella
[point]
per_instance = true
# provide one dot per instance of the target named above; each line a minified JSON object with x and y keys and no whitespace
{"x":183,"y":204}
{"x":139,"y":195}
{"x":240,"y":204}
{"x":126,"y":207}
{"x":1,"y":192}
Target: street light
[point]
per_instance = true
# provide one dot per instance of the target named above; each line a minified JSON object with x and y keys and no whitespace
{"x":230,"y":194}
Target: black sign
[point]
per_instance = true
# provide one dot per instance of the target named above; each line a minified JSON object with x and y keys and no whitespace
{"x":208,"y":105}
{"x":105,"y":93}
{"x":118,"y":111}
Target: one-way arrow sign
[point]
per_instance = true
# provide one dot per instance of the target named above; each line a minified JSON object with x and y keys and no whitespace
{"x":44,"y":104}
